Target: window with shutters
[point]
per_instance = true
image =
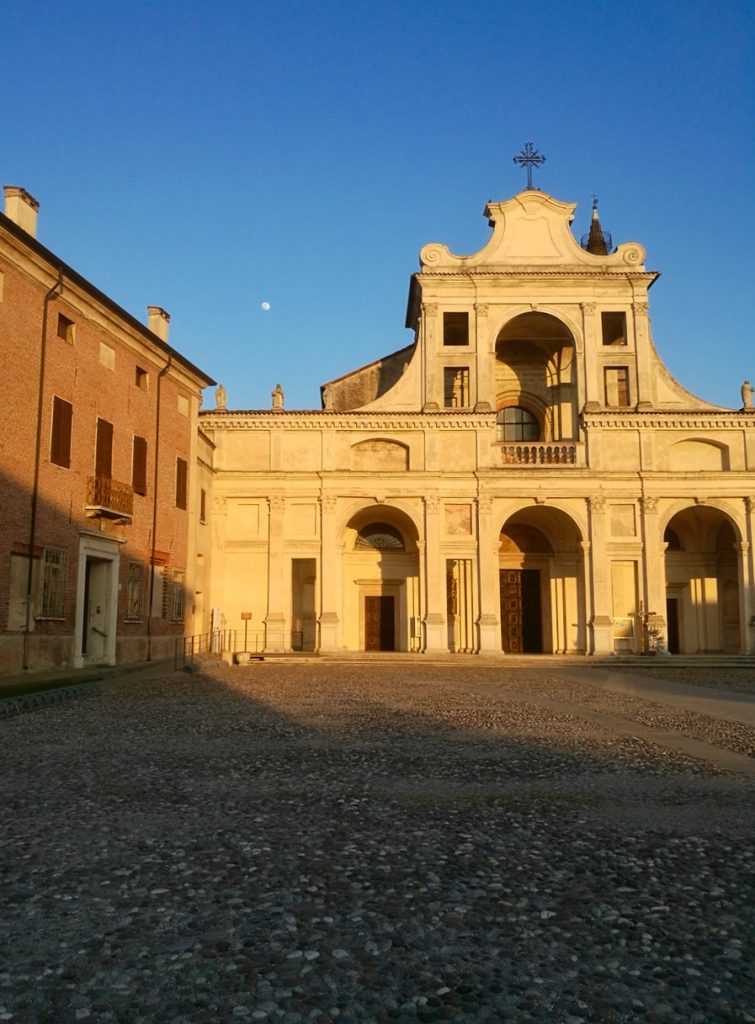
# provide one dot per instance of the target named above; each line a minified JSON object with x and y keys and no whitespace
{"x":456,"y":387}
{"x":456,"y":328}
{"x":60,"y":437}
{"x":103,"y":451}
{"x":135,"y":591}
{"x":53,"y":583}
{"x":139,"y":465}
{"x":617,"y":385}
{"x":182,"y":476}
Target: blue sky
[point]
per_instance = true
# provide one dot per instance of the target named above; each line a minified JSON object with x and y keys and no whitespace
{"x":211,"y":157}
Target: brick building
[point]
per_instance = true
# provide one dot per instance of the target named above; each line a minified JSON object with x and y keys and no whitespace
{"x":98,"y":458}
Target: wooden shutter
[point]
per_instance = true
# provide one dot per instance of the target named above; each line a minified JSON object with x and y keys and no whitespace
{"x":181,"y":483}
{"x":139,"y":466}
{"x":103,"y":459}
{"x":60,"y":442}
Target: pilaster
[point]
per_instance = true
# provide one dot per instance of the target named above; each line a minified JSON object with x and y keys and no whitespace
{"x":653,"y":567}
{"x":488,"y":623}
{"x":330,"y":576}
{"x":435,"y":639}
{"x":275,"y":620}
{"x":601,"y":625}
{"x":644,"y":396}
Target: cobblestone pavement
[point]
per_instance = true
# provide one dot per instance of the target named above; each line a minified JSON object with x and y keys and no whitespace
{"x":334,"y":843}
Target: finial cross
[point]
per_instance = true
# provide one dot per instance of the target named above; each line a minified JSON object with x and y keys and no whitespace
{"x":529,"y":158}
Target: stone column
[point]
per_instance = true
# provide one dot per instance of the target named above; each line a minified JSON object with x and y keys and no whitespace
{"x":600,"y":582}
{"x":653,"y":568}
{"x":275,"y":620}
{"x":747,"y":577}
{"x":433,"y":387}
{"x":488,"y":623}
{"x":591,"y":388}
{"x":644,"y":397}
{"x":331,"y":557}
{"x":435,"y":639}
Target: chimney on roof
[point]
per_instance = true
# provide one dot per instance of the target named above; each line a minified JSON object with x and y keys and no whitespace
{"x":157,"y":321}
{"x":21,"y":208}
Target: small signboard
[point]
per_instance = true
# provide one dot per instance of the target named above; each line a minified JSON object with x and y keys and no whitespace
{"x":246,"y":615}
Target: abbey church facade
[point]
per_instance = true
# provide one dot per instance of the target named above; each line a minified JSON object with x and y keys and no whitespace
{"x":526,"y":477}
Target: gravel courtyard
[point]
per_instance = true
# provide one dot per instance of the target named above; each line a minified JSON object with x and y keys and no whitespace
{"x":353,"y":843}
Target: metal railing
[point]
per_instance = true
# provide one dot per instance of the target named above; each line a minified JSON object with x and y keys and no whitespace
{"x":110,"y":496}
{"x":560,"y":454}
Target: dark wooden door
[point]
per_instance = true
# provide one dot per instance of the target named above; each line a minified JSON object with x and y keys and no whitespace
{"x":379,"y":631}
{"x":672,"y":618}
{"x":521,"y":619}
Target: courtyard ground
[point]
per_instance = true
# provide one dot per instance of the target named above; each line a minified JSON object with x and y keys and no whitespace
{"x":392,"y":842}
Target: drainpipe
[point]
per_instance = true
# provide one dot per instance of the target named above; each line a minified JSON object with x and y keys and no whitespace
{"x":160,"y":376}
{"x":51,"y":294}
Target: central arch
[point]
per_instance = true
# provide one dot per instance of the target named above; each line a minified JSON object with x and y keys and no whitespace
{"x":381,"y":581}
{"x":541,"y":580}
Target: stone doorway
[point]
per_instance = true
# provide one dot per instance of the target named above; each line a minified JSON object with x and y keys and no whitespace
{"x":521,"y":612}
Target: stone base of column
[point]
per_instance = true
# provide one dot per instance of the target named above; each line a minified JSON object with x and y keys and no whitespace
{"x":436,"y":638}
{"x":489,"y":634}
{"x":276,"y":640}
{"x":329,"y":632}
{"x":601,"y":635}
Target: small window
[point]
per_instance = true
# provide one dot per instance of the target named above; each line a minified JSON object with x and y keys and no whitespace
{"x":203,"y":506}
{"x":617,"y":385}
{"x":517,"y":424}
{"x":65,"y":328}
{"x":139,"y":465}
{"x":379,"y":535}
{"x":456,"y":387}
{"x":53,"y":583}
{"x":107,"y":356}
{"x":60,"y":440}
{"x":141,"y":378}
{"x":182,"y":477}
{"x":135,"y":591}
{"x":177,"y":599}
{"x":456,"y":328}
{"x":614,"y":328}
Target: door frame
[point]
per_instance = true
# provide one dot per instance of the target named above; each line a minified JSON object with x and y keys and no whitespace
{"x":385,"y":588}
{"x":102,"y":549}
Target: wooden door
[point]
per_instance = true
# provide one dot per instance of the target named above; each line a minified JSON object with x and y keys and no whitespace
{"x":379,"y":631}
{"x":521,"y":619}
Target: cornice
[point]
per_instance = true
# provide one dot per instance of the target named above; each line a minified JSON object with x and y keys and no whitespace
{"x":699,"y":419}
{"x":256,"y":419}
{"x":535,"y":271}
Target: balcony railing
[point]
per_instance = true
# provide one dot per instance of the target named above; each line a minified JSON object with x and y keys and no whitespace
{"x":558,"y":454}
{"x":109,"y":498}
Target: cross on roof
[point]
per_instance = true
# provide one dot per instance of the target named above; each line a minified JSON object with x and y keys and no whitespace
{"x":529,"y":158}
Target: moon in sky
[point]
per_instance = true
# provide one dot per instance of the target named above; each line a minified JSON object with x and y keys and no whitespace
{"x":265,"y":305}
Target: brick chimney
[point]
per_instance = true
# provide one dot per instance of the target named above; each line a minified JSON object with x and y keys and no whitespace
{"x":157,"y":321}
{"x":21,"y":208}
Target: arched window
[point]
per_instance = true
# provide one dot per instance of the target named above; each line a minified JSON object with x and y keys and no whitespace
{"x":517,"y":424}
{"x":379,"y":535}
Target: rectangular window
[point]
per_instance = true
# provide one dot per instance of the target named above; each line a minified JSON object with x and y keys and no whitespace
{"x":182,"y":475}
{"x":177,"y":603}
{"x":60,"y":439}
{"x":103,"y":452}
{"x":456,"y":387}
{"x":456,"y":328}
{"x":135,"y":591}
{"x":141,"y":378}
{"x":65,"y":328}
{"x":139,"y":466}
{"x":107,"y":356}
{"x":617,"y":385}
{"x":614,"y":328}
{"x":203,"y":506}
{"x":53,"y":583}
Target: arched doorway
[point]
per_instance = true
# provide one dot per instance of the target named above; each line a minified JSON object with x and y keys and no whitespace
{"x":541,"y":583}
{"x":702,"y":583}
{"x":381,"y":581}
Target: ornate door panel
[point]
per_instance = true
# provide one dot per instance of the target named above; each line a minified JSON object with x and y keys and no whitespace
{"x":379,"y":630}
{"x":521,"y":620}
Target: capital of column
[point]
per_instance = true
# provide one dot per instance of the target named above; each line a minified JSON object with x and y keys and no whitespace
{"x":596,"y":503}
{"x":649,"y":505}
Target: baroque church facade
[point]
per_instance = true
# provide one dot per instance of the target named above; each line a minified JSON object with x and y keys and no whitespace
{"x":525,"y":477}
